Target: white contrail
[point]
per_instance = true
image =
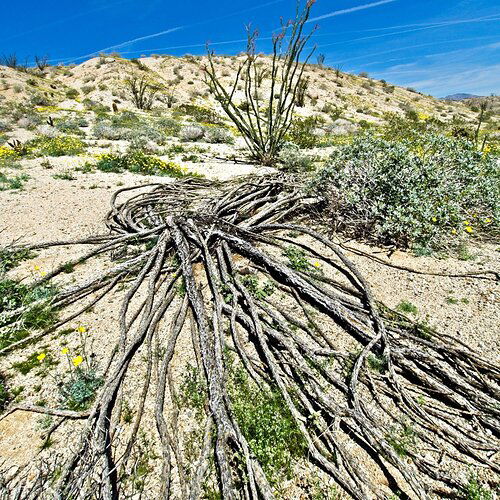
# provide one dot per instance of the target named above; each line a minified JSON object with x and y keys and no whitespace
{"x":352,"y":9}
{"x":171,"y":30}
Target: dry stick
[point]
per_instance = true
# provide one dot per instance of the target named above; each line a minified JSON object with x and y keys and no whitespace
{"x":165,"y":437}
{"x":469,"y":274}
{"x":47,"y":411}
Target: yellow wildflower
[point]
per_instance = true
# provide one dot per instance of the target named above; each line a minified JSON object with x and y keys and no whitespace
{"x":487,"y":220}
{"x":77,"y":361}
{"x":434,"y":219}
{"x":43,"y":273}
{"x":469,"y":229}
{"x":466,"y":223}
{"x":453,"y":231}
{"x":41,"y":356}
{"x":316,"y":264}
{"x":36,"y":268}
{"x":81,"y":329}
{"x":64,"y":350}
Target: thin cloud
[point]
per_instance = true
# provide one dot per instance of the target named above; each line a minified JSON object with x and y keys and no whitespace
{"x":411,"y":47}
{"x":165,"y":32}
{"x":352,"y":9}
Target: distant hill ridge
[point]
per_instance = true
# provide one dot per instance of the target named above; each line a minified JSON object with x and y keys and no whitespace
{"x":459,"y":97}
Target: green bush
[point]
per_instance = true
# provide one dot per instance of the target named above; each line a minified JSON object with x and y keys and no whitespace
{"x":56,"y":146}
{"x":16,"y":182}
{"x":302,"y":131}
{"x":79,"y":391}
{"x":293,"y":160}
{"x":201,"y":114}
{"x":72,"y":125}
{"x":267,"y":424}
{"x":14,"y":295}
{"x":72,"y":94}
{"x":433,"y":196}
{"x":139,"y":163}
{"x":11,"y":258}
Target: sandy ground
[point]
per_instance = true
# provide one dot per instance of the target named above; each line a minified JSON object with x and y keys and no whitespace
{"x":53,"y":209}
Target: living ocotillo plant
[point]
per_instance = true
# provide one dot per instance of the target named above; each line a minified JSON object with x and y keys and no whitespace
{"x":142,"y":92}
{"x":266,"y":117}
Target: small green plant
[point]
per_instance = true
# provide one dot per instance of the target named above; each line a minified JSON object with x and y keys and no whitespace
{"x":297,"y":258}
{"x":402,"y":439}
{"x":72,"y":93}
{"x":79,"y":391}
{"x":14,"y":295}
{"x":377,"y":363}
{"x":15,"y":183}
{"x":11,"y":258}
{"x":40,"y":360}
{"x":475,"y":490}
{"x":451,"y":300}
{"x":65,"y":176}
{"x":267,"y":424}
{"x":406,"y":306}
{"x":193,"y":391}
{"x":4,"y":393}
{"x":258,"y":291}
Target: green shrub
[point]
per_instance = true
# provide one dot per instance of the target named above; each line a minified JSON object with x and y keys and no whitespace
{"x":139,"y":163}
{"x":402,"y":439}
{"x":293,"y":160}
{"x":79,"y":391}
{"x":72,"y":125}
{"x":14,"y":295}
{"x":302,"y":131}
{"x":217,"y":135}
{"x":394,"y":193}
{"x":72,"y":94}
{"x":56,"y":146}
{"x":201,"y":114}
{"x":11,"y":258}
{"x":267,"y":424}
{"x":16,"y":182}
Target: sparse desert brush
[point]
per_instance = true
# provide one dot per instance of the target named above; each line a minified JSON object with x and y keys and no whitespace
{"x":72,"y":125}
{"x":217,"y":135}
{"x":303,"y":131}
{"x":65,"y":145}
{"x":293,"y":160}
{"x":192,"y":133}
{"x":138,"y":162}
{"x":389,"y":193}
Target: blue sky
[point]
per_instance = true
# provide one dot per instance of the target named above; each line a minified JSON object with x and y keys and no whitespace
{"x":436,"y":46}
